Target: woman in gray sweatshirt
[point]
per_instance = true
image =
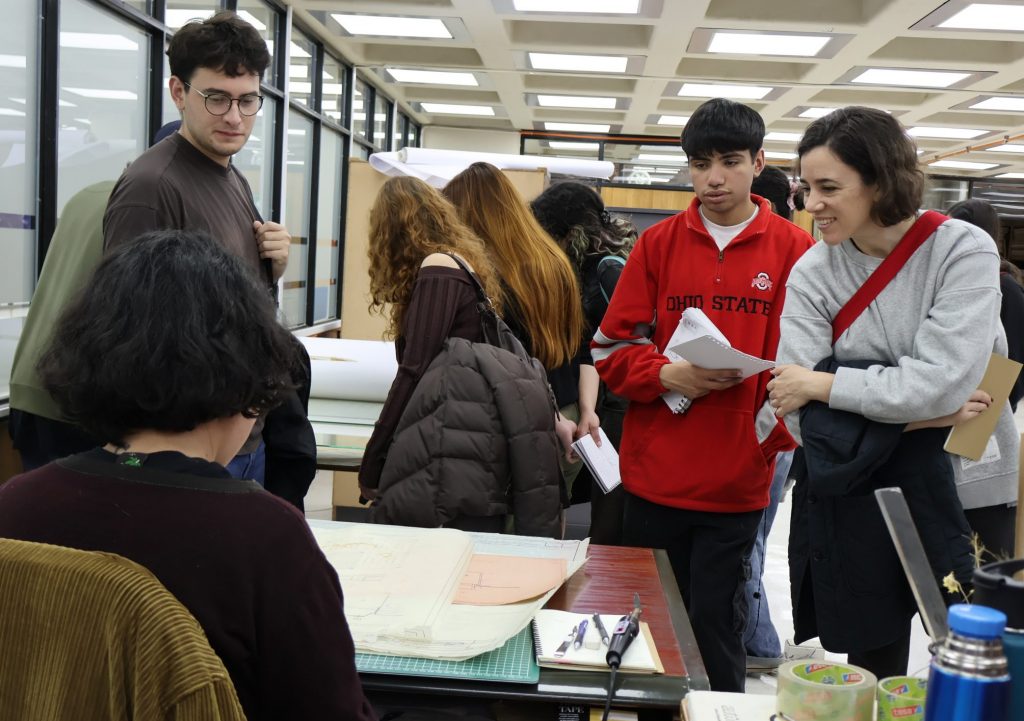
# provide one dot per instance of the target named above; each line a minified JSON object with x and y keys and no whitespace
{"x":929,"y":333}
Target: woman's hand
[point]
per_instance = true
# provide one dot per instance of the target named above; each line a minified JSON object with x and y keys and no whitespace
{"x":978,"y":402}
{"x":565,"y":430}
{"x":695,"y":382}
{"x":589,"y":423}
{"x":793,"y":387}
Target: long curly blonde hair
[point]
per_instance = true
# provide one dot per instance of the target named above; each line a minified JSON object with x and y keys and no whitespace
{"x":409,"y":221}
{"x":537,"y":273}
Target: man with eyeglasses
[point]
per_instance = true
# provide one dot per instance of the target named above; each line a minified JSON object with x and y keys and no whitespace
{"x":188,"y":182}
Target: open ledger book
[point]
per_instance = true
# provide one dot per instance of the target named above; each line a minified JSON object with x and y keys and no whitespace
{"x":697,"y":340}
{"x":551,"y":627}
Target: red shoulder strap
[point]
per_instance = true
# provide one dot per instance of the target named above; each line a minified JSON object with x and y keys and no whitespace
{"x":913,"y":239}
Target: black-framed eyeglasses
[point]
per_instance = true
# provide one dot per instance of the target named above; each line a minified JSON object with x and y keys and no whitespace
{"x":220,"y":104}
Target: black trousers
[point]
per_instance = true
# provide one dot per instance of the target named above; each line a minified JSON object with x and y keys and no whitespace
{"x":889,"y":660}
{"x":709,"y":553}
{"x":996,"y":528}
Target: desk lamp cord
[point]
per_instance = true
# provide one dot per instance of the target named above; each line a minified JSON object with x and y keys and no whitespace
{"x":611,"y":692}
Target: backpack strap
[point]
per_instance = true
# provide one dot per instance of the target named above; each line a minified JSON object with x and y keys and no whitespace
{"x":919,"y":232}
{"x":604,"y":263}
{"x":481,"y":294}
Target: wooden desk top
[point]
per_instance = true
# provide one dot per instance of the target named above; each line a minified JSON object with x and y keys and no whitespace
{"x":606,"y":584}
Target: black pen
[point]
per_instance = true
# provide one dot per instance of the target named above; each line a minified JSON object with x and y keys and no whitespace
{"x":601,"y":629}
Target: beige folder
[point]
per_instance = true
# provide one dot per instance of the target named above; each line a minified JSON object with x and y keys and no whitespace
{"x":970,"y":438}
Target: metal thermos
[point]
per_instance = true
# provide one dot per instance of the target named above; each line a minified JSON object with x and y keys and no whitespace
{"x":969,"y":680}
{"x":996,"y":587}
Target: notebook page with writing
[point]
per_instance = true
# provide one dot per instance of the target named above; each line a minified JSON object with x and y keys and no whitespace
{"x":708,"y":352}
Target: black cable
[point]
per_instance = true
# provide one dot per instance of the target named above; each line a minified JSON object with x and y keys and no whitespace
{"x":611,"y":693}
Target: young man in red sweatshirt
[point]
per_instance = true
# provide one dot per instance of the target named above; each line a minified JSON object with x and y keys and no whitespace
{"x":697,"y":481}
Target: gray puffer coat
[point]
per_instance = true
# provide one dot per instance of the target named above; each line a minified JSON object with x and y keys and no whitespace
{"x":476,"y":439}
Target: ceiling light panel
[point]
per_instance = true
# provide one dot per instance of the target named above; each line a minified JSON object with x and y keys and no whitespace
{"x":734,"y":92}
{"x":780,"y":137}
{"x":677,"y":120}
{"x":576,"y":101}
{"x":452,"y":109}
{"x":607,"y":7}
{"x":432,"y":77}
{"x":97,"y":41}
{"x":912,"y":78}
{"x":569,"y":145}
{"x":103,"y":94}
{"x":1015,"y":105}
{"x":962,"y":165}
{"x":987,"y":16}
{"x":1011,"y":176}
{"x":924,"y":131}
{"x":579,"y":63}
{"x":816,"y":112}
{"x":778,"y":155}
{"x":1007,"y":148}
{"x":578,"y":127}
{"x":393,"y":26}
{"x":767,"y":44}
{"x":661,"y":158}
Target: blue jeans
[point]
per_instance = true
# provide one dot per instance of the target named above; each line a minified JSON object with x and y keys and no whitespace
{"x":250,"y":466}
{"x":760,"y":637}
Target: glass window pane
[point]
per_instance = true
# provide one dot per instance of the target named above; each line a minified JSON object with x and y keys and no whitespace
{"x":256,"y":159}
{"x":359,"y":107}
{"x":180,"y":12}
{"x":412,"y":135}
{"x":646,"y":164}
{"x":333,"y":103}
{"x":18,"y":113}
{"x":361,"y":151}
{"x":381,"y":120}
{"x":296,"y":216}
{"x":328,"y":226}
{"x":103,"y":97}
{"x":300,"y":68}
{"x":264,"y":19}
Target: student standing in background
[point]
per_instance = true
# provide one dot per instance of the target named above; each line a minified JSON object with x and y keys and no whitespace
{"x":697,"y":482}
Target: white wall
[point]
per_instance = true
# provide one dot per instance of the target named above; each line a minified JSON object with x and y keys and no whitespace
{"x":485,"y":141}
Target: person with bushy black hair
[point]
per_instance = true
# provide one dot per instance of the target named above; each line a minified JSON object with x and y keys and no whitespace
{"x":172,"y":394}
{"x":773,"y":185}
{"x":697,"y":480}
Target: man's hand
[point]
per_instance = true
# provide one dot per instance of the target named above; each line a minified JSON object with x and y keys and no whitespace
{"x":274,"y":242}
{"x":794,"y":386}
{"x":694,"y":382}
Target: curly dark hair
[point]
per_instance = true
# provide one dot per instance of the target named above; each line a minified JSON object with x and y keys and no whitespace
{"x":224,"y":43}
{"x":773,"y":185}
{"x":171,"y":332}
{"x":873,"y":143}
{"x":574,"y":215}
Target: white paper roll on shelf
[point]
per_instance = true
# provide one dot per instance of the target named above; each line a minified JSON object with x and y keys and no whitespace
{"x":354,"y":370}
{"x":825,"y":692}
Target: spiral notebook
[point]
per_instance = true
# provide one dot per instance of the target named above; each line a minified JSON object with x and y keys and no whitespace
{"x":551,"y":627}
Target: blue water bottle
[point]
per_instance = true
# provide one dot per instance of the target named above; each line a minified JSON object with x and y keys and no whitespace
{"x":969,"y":680}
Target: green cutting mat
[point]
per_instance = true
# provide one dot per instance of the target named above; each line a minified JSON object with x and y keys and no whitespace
{"x":514,"y":662}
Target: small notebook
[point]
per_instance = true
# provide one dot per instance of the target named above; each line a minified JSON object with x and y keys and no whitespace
{"x":970,"y":439}
{"x":552,"y":627}
{"x":602,"y":461}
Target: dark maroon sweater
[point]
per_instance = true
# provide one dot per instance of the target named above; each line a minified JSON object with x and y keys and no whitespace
{"x":241,"y":560}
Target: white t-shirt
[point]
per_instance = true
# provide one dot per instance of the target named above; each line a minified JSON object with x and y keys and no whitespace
{"x":723,"y":234}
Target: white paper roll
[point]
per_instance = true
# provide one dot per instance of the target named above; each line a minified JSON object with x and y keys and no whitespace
{"x":356,"y":370}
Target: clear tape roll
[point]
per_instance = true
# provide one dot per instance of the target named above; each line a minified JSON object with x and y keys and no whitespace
{"x":825,"y":692}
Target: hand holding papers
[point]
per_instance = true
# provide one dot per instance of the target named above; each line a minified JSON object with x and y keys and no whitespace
{"x":698,"y":341}
{"x":602,"y":461}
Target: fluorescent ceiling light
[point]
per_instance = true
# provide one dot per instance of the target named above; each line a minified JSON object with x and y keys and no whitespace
{"x":917,"y":78}
{"x":584,"y":63}
{"x":97,"y":41}
{"x":296,"y":131}
{"x":432,"y":77}
{"x":925,"y":131}
{"x":12,"y":61}
{"x":177,"y":18}
{"x":1014,"y":104}
{"x":1011,"y":176}
{"x":330,"y":105}
{"x":711,"y":90}
{"x":332,"y":88}
{"x":576,"y":101}
{"x":677,"y":120}
{"x":816,"y":112}
{"x":568,"y":145}
{"x":618,"y":7}
{"x":254,"y":21}
{"x":298,"y":71}
{"x":781,"y":137}
{"x":103,"y":94}
{"x":452,"y":109}
{"x":661,"y":158}
{"x":303,"y":88}
{"x":12,"y":112}
{"x":767,"y":44}
{"x":1006,"y":148}
{"x":986,"y":16}
{"x":963,"y":165}
{"x":578,"y":127}
{"x":778,"y":155}
{"x":392,"y":26}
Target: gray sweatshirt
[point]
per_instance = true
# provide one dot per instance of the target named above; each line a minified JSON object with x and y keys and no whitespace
{"x":934,"y":325}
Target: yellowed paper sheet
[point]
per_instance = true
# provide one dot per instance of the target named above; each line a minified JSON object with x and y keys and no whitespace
{"x":497,"y":580}
{"x":970,"y":438}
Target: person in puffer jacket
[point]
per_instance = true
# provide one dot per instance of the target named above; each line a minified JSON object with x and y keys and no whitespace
{"x":457,"y":473}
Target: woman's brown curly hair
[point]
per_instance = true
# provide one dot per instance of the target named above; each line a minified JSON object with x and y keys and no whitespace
{"x":409,"y":221}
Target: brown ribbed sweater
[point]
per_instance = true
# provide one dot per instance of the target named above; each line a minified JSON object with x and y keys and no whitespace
{"x":88,"y":635}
